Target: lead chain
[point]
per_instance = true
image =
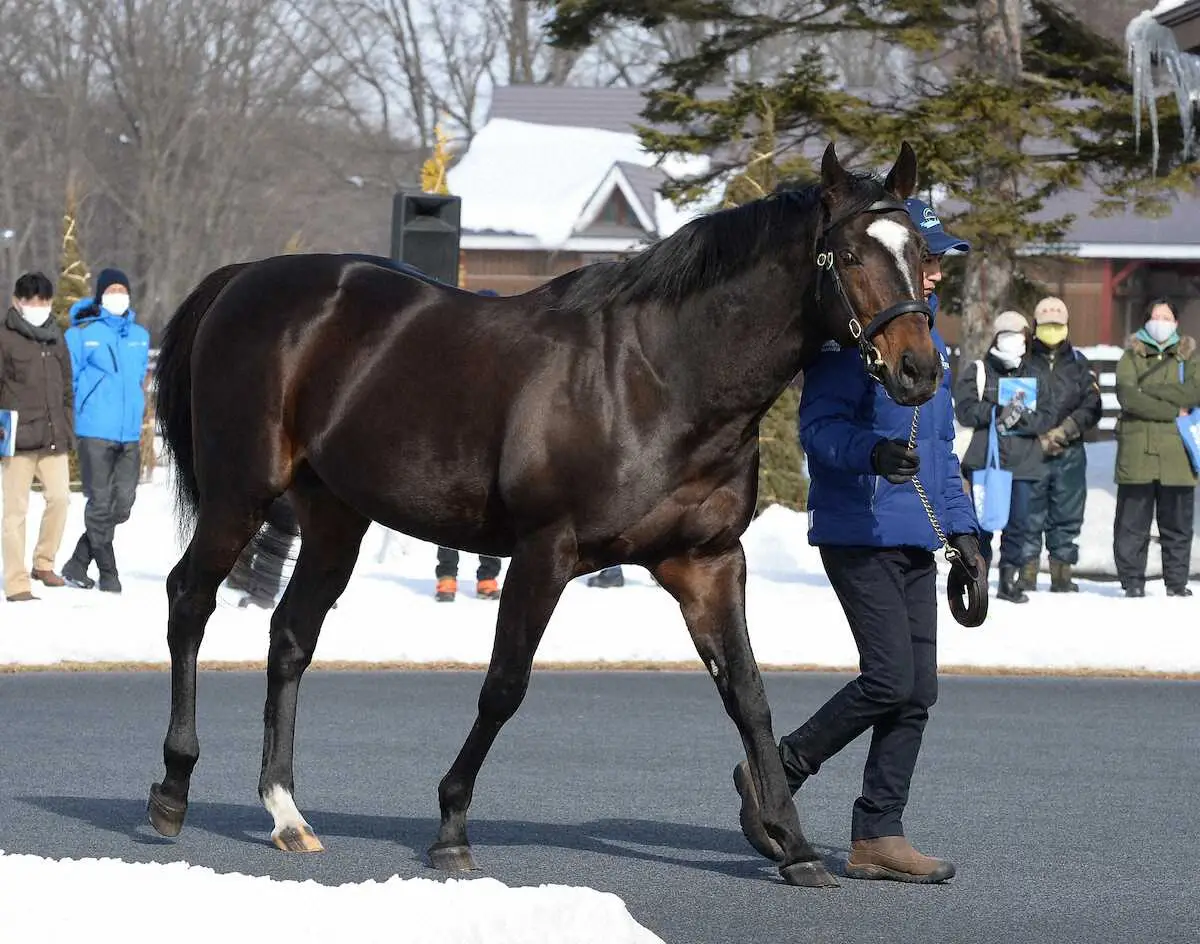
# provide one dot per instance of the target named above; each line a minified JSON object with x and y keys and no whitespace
{"x":951,"y":554}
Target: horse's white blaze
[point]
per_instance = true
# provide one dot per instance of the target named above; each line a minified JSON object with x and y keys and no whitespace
{"x":282,"y":807}
{"x":894,"y":238}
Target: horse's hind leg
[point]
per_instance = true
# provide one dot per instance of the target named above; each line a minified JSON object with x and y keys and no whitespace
{"x":330,"y":535}
{"x":539,"y":571}
{"x":712,"y":595}
{"x":221,"y":533}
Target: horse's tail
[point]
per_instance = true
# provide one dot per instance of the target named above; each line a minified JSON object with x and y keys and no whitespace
{"x":173,"y":397}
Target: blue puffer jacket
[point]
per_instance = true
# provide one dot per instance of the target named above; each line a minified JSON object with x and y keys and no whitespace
{"x":843,"y":414}
{"x":109,"y":356}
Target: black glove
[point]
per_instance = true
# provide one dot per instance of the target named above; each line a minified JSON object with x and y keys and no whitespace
{"x":1010,"y":416}
{"x":967,"y":546}
{"x":892,"y":459}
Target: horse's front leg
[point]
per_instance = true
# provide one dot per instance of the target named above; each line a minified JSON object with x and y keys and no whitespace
{"x":332,"y":533}
{"x":536,"y":577}
{"x":711,"y":591}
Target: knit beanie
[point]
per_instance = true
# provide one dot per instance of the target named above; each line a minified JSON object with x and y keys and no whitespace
{"x":107,"y":279}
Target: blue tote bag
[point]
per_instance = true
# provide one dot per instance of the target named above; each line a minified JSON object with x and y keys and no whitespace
{"x":991,"y":486}
{"x":1189,"y":429}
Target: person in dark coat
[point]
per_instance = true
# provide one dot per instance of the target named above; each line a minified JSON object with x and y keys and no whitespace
{"x":35,"y":382}
{"x":1158,"y":380}
{"x":109,"y":356}
{"x":877,"y":547}
{"x":1056,"y":506}
{"x":977,"y":400}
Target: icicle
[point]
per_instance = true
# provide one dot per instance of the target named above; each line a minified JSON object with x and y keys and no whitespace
{"x":1149,"y":43}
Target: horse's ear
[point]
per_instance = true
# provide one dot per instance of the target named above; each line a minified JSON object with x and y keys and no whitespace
{"x":902,"y":178}
{"x":832,"y":171}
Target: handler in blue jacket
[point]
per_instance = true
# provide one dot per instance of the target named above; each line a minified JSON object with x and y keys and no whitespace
{"x":877,"y":546}
{"x":109,"y":356}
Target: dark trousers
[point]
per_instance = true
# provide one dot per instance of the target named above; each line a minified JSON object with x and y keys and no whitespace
{"x":1136,"y":505}
{"x":1056,"y":506}
{"x":109,"y":473}
{"x":1013,"y":539}
{"x":447,"y":565}
{"x":259,"y":568}
{"x":889,"y":597}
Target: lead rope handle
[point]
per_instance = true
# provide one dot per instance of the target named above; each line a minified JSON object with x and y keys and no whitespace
{"x":952,"y":555}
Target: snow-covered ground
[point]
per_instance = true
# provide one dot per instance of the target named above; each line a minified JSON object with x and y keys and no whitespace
{"x":140,"y":902}
{"x":388,"y":614}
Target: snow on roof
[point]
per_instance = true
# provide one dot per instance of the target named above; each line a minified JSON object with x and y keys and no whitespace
{"x":537,"y":180}
{"x":1166,"y":6}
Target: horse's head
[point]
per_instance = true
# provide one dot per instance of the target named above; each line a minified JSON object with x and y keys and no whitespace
{"x":869,"y":287}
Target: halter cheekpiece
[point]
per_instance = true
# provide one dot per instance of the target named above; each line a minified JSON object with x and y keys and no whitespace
{"x":826,"y":264}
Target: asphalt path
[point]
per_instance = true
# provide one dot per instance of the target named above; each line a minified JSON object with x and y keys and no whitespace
{"x":1069,"y":805}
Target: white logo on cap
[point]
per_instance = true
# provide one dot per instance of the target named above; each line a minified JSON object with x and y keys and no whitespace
{"x":929,"y":219}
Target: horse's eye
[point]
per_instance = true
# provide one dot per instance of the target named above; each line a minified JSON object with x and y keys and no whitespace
{"x":849,"y":258}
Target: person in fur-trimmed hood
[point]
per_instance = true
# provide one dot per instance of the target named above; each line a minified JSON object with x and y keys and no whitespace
{"x":1158,"y":380}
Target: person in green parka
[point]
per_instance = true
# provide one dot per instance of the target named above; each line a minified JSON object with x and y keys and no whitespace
{"x":1158,"y":380}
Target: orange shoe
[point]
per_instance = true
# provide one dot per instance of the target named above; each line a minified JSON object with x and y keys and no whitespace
{"x":487,"y":590}
{"x":447,"y":588}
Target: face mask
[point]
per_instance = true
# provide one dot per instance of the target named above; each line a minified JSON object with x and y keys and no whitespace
{"x":36,"y":315}
{"x":1051,"y":335}
{"x":115,"y":303}
{"x":1160,"y":330}
{"x":1011,"y":343}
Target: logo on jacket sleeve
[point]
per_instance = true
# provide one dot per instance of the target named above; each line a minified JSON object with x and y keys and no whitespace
{"x":830,"y":347}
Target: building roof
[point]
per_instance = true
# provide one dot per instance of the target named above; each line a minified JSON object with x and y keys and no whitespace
{"x":1125,"y":234}
{"x":613,"y":108}
{"x":538,"y":186}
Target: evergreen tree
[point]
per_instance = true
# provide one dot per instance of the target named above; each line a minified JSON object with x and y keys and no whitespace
{"x":433,"y":180}
{"x":74,"y":280}
{"x":433,"y":171}
{"x":1011,"y":103}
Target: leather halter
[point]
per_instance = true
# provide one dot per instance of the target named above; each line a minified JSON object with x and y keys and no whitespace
{"x":826,"y":264}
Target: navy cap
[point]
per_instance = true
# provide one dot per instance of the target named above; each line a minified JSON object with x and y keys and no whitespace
{"x":939,"y":241}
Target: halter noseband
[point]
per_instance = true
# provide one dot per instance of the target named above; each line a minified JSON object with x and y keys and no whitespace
{"x":825,"y":263}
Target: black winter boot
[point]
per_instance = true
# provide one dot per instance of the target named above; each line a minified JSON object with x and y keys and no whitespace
{"x":106,"y":561}
{"x":75,"y":570}
{"x":1060,"y":578}
{"x":1010,"y":586}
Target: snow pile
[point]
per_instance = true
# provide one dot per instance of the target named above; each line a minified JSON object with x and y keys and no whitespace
{"x":145,"y":902}
{"x":388,"y":614}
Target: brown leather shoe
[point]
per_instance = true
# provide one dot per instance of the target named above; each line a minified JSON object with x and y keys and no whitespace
{"x":48,"y":577}
{"x":24,"y":597}
{"x":894,"y":858}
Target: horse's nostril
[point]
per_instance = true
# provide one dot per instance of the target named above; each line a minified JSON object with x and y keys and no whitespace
{"x":908,"y":370}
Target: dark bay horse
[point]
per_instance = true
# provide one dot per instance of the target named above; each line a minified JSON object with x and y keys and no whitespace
{"x":609,"y":416}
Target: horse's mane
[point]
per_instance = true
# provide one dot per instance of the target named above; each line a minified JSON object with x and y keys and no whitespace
{"x":711,"y":249}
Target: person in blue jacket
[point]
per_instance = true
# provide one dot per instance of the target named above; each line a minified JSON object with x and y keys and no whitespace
{"x":109,"y":356}
{"x":877,"y":546}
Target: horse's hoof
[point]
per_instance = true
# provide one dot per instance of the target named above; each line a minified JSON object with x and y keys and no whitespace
{"x":166,"y":814}
{"x":297,"y":839}
{"x":452,"y":858}
{"x":808,"y":875}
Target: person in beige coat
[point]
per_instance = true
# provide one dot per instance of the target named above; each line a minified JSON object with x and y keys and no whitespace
{"x":35,"y":382}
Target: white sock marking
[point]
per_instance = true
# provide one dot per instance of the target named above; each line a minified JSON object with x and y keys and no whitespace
{"x":894,"y":237}
{"x":282,"y":807}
